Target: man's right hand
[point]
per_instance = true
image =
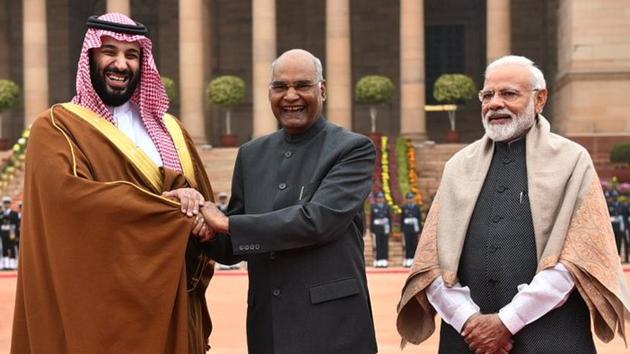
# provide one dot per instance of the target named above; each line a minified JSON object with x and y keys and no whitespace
{"x":189,"y":198}
{"x":214,"y":218}
{"x":487,"y":334}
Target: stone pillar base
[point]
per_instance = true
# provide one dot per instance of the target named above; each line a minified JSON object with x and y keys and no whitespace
{"x":416,"y":137}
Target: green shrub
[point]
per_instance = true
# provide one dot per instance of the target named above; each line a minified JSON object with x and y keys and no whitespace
{"x":9,"y":94}
{"x":169,"y":86}
{"x":620,"y":153}
{"x":454,"y":88}
{"x":226,"y":91}
{"x":374,"y":89}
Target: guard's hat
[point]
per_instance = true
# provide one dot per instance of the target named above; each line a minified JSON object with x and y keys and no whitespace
{"x":6,"y":199}
{"x":380,"y":195}
{"x":410,"y":195}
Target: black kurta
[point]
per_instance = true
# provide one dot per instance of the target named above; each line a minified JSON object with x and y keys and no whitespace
{"x":500,"y":253}
{"x":296,"y":216}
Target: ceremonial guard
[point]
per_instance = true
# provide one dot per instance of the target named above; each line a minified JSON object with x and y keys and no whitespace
{"x":411,"y":225}
{"x":9,"y":224}
{"x":381,"y":227}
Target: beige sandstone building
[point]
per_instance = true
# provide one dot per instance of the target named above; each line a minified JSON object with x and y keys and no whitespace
{"x":582,"y":46}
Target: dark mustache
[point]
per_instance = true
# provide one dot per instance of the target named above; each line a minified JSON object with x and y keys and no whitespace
{"x":120,"y":72}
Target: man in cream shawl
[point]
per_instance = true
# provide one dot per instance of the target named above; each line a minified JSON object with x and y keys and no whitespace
{"x":517,"y":253}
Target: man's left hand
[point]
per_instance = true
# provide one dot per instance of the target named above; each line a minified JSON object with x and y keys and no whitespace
{"x":487,"y":334}
{"x":189,"y":198}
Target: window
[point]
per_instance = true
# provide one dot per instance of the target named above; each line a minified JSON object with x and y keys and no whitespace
{"x":444,"y":54}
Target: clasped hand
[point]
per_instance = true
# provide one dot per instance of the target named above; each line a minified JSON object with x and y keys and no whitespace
{"x":487,"y":334}
{"x":207,"y":223}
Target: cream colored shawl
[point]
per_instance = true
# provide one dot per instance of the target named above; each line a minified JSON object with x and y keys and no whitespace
{"x":571,"y":225}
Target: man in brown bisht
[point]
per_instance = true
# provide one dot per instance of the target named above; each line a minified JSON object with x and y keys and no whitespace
{"x":107,"y":262}
{"x":517,"y":253}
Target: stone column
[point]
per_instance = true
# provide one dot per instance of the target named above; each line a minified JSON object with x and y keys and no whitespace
{"x":35,"y":59}
{"x":412,"y":80}
{"x":5,"y":59}
{"x":498,"y":29}
{"x":191,"y":68}
{"x":120,"y":6}
{"x":338,"y":62}
{"x":591,"y":87}
{"x":263,"y":53}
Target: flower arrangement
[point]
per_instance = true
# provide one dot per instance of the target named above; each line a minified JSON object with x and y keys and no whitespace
{"x":407,"y":175}
{"x":385,"y":176}
{"x":412,"y":173}
{"x":15,"y":163}
{"x":394,"y":173}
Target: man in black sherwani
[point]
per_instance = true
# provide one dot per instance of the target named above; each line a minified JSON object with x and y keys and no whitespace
{"x":296,"y":215}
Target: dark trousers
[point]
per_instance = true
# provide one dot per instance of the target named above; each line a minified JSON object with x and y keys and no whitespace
{"x":8,"y":246}
{"x":382,"y":245}
{"x":619,"y":235}
{"x":411,"y":243}
{"x":626,"y":241}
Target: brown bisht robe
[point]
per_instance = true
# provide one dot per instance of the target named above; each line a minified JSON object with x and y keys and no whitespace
{"x":571,"y":226}
{"x":103,"y":264}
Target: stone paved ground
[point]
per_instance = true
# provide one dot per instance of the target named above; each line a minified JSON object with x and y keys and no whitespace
{"x":227,"y":300}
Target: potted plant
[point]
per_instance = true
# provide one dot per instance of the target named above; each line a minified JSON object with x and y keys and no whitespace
{"x":374,"y":90}
{"x":453,"y":89}
{"x":227,"y":91}
{"x":169,"y":86}
{"x":9,"y":98}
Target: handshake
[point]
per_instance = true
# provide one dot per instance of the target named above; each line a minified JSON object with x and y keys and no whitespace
{"x":208,"y":219}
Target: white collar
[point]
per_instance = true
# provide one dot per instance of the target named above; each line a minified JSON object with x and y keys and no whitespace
{"x":124,"y":108}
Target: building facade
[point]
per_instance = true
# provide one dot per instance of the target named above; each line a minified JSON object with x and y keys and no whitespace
{"x":582,"y":47}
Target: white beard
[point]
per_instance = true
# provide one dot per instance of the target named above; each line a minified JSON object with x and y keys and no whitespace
{"x":517,"y":127}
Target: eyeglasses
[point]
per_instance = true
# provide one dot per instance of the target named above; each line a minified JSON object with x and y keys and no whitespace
{"x":279,"y":87}
{"x":507,"y":95}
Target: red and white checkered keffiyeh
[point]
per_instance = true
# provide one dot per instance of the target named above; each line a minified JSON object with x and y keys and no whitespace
{"x":150,"y":96}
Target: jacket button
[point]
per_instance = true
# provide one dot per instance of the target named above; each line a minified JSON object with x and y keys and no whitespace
{"x":507,"y":160}
{"x":501,"y":189}
{"x":288,"y":154}
{"x":272,"y":255}
{"x":241,"y":248}
{"x":246,"y":247}
{"x":497,"y":218}
{"x":276,"y":292}
{"x":257,"y":247}
{"x":282,"y":186}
